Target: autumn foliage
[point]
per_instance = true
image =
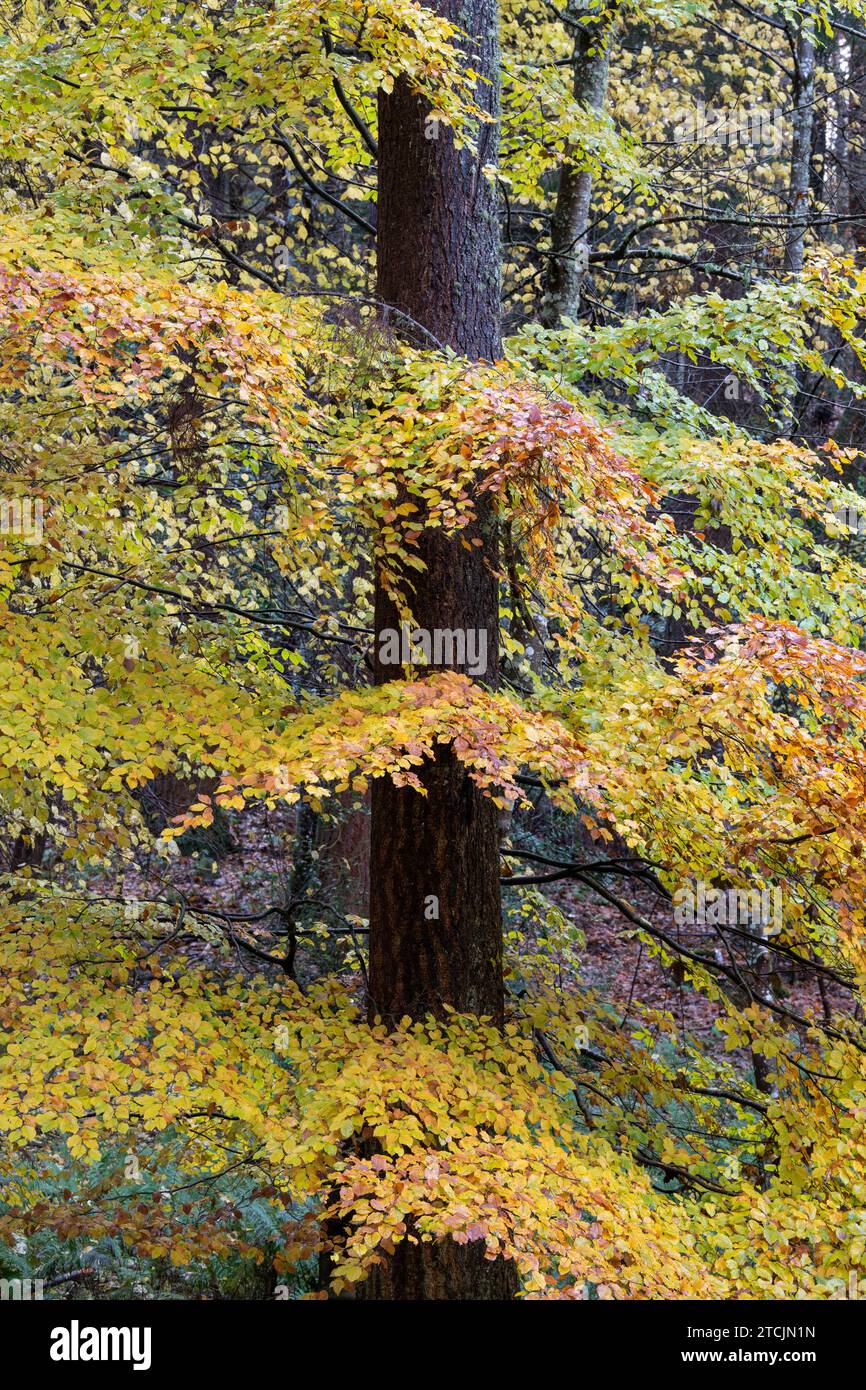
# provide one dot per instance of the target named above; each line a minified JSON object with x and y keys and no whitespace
{"x":223,"y":463}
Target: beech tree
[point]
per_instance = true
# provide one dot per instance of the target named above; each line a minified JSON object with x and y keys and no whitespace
{"x":438,"y":258}
{"x":438,"y":280}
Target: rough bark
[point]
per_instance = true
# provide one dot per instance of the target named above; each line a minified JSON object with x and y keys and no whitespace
{"x":439,"y":280}
{"x":439,"y":267}
{"x":438,"y":244}
{"x":567,"y":263}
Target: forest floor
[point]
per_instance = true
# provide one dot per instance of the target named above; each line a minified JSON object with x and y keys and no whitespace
{"x":253,"y":874}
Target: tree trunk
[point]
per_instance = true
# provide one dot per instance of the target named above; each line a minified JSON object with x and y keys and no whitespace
{"x":857,"y":139}
{"x":439,"y":268}
{"x":801,"y":147}
{"x":840,"y":64}
{"x":569,"y":251}
{"x":435,"y":918}
{"x":799,"y":187}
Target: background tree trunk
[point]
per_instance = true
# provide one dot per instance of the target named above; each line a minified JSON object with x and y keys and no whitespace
{"x":567,"y":265}
{"x":801,"y":148}
{"x":857,"y":138}
{"x":799,"y":188}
